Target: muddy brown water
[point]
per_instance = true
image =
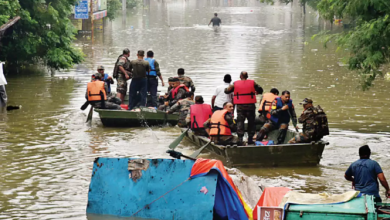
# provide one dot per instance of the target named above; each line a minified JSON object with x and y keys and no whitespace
{"x":47,"y":149}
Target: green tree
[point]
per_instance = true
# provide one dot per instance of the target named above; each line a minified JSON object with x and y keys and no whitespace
{"x":112,"y":8}
{"x":368,"y":42}
{"x":44,"y":34}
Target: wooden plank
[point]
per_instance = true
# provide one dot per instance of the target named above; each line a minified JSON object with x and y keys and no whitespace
{"x":9,"y":23}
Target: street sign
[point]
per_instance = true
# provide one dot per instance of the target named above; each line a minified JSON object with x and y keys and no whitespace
{"x":81,"y":10}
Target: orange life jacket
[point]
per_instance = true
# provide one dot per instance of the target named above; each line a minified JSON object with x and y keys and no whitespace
{"x":199,"y":114}
{"x":176,"y":90}
{"x":266,"y":103}
{"x":94,"y":91}
{"x":244,"y":92}
{"x":219,"y":126}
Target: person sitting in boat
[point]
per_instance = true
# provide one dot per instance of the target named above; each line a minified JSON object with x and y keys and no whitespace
{"x":314,"y":123}
{"x":183,"y":106}
{"x":221,"y":125}
{"x":364,"y":175}
{"x":97,"y":96}
{"x":187,"y":81}
{"x":282,"y":111}
{"x":265,"y":104}
{"x":178,"y":92}
{"x":197,"y":115}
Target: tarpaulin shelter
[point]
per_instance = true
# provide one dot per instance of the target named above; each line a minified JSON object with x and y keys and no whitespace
{"x":164,"y":189}
{"x":271,"y":197}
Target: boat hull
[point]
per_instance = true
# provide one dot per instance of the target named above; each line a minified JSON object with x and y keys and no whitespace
{"x":149,"y":117}
{"x":308,"y":154}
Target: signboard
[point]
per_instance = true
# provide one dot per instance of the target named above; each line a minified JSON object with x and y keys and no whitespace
{"x":269,"y":213}
{"x":99,"y":15}
{"x":99,"y":5}
{"x":81,"y":10}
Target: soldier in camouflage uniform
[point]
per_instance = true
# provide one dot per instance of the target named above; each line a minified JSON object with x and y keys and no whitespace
{"x":310,"y":129}
{"x":122,"y":73}
{"x":225,"y":139}
{"x":187,"y":81}
{"x":183,"y":106}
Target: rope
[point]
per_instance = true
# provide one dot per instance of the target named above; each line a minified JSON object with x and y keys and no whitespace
{"x":160,"y":197}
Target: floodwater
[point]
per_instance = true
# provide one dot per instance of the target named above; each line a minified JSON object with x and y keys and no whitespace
{"x":47,"y":149}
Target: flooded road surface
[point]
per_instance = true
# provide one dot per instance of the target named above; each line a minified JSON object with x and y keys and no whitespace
{"x":47,"y":149}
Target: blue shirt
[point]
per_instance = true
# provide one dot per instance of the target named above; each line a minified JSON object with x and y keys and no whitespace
{"x":365,"y":173}
{"x":107,"y":83}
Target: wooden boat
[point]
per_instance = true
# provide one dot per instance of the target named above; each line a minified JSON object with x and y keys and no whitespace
{"x":147,"y":116}
{"x":305,"y":154}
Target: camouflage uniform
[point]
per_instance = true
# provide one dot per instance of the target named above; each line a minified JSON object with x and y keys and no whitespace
{"x":182,"y":106}
{"x":187,"y":81}
{"x":246,"y":111}
{"x":121,"y":79}
{"x":309,"y":122}
{"x":225,"y":139}
{"x":111,"y":103}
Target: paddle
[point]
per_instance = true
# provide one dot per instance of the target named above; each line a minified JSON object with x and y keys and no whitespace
{"x":89,"y":118}
{"x":196,"y":153}
{"x":84,"y":106}
{"x":177,"y":141}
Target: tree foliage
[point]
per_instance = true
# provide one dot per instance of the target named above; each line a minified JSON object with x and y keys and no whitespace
{"x":368,"y":42}
{"x":43,"y":34}
{"x":113,"y":7}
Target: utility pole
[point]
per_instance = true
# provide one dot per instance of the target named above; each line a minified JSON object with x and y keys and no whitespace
{"x":91,"y":14}
{"x":123,"y":5}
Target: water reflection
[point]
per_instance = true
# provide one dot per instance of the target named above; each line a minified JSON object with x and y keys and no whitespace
{"x":47,"y":149}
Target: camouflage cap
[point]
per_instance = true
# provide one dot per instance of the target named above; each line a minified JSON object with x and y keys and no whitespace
{"x":100,"y":68}
{"x":306,"y":101}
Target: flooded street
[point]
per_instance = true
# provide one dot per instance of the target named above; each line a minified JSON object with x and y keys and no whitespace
{"x":47,"y":149}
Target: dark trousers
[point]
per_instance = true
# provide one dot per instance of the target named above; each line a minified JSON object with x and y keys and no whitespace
{"x":216,"y":108}
{"x":137,"y":85}
{"x":246,"y":111}
{"x":152,"y":89}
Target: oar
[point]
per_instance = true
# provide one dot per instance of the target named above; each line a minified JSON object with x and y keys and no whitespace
{"x":196,"y":153}
{"x":294,"y":123}
{"x":177,"y":141}
{"x":89,"y":118}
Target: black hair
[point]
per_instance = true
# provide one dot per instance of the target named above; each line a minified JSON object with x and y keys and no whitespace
{"x":224,"y":104}
{"x":180,"y":71}
{"x":244,"y":74}
{"x":150,"y":53}
{"x":189,"y":94}
{"x":364,"y":152}
{"x":199,"y":99}
{"x":227,"y":78}
{"x":285,"y":91}
{"x":141,"y":53}
{"x":215,"y":14}
{"x":274,"y":91}
{"x":126,"y":51}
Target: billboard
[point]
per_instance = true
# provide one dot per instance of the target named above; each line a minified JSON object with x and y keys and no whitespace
{"x":81,"y":10}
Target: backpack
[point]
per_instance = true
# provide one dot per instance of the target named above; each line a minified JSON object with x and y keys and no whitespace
{"x":115,"y":73}
{"x":321,"y":125}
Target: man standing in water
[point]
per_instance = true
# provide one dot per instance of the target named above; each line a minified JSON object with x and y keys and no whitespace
{"x":364,"y":174}
{"x":215,"y":20}
{"x":139,"y":83}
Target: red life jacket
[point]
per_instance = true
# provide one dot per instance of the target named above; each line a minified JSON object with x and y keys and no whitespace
{"x":219,"y":126}
{"x":176,"y":90}
{"x":199,"y":114}
{"x":244,"y":92}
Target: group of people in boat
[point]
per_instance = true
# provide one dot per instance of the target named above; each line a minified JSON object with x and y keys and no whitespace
{"x":215,"y":120}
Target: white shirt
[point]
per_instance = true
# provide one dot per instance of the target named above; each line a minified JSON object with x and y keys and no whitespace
{"x":221,"y":97}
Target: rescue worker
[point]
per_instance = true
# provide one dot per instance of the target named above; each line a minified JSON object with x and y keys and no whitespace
{"x":187,"y":81}
{"x":364,"y":175}
{"x":183,"y":106}
{"x":265,"y":104}
{"x":197,"y":115}
{"x":106,"y":79}
{"x":221,"y":125}
{"x":177,"y":93}
{"x":152,"y":77}
{"x":122,"y":73}
{"x":97,"y":96}
{"x":219,"y":96}
{"x":282,"y":111}
{"x":314,"y":123}
{"x":139,"y":82}
{"x":245,"y":91}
